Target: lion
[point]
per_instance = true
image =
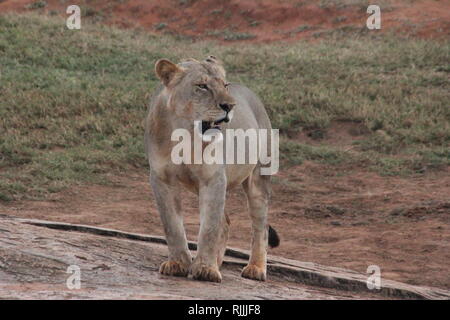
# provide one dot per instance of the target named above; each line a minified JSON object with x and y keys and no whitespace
{"x":198,"y":91}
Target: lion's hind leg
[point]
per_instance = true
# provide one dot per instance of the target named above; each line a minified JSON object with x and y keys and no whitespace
{"x":257,"y":189}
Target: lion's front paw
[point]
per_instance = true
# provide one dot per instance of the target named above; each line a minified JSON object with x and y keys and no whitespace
{"x":254,"y":272}
{"x":205,"y":273}
{"x":174,"y":268}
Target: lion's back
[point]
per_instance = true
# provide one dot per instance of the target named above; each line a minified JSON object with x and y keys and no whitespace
{"x":248,"y":101}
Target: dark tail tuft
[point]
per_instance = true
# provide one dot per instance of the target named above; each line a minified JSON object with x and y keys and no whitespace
{"x":274,"y":239}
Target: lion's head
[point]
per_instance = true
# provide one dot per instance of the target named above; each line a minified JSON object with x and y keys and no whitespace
{"x":198,"y":90}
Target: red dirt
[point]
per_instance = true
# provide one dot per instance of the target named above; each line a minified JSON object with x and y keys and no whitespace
{"x":263,"y":20}
{"x":343,"y":217}
{"x":333,"y":215}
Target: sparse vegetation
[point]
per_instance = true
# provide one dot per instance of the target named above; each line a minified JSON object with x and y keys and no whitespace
{"x":229,"y":35}
{"x":339,"y":19}
{"x":361,"y":4}
{"x":36,"y":5}
{"x":160,"y":26}
{"x":93,"y":14}
{"x":301,"y":28}
{"x":254,"y":23}
{"x":72,"y":102}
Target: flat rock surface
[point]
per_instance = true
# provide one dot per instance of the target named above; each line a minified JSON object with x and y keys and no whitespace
{"x":34,"y":261}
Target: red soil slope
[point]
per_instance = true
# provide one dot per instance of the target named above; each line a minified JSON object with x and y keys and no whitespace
{"x":258,"y":20}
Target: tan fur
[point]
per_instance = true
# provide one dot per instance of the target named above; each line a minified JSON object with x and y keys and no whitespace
{"x":177,"y":104}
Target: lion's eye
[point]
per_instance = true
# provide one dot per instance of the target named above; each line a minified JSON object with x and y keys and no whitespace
{"x":227,"y":84}
{"x":202,"y":86}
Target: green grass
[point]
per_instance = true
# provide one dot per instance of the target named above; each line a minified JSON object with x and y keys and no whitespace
{"x":36,"y":5}
{"x":72,"y":102}
{"x":361,"y":4}
{"x":229,"y":35}
{"x":295,"y":153}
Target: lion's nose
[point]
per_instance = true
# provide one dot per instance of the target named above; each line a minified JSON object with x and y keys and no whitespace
{"x":226,"y":106}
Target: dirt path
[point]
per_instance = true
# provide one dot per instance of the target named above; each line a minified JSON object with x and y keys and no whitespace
{"x":339,"y":217}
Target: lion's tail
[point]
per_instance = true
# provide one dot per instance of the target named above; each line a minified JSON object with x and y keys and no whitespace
{"x":274,"y":239}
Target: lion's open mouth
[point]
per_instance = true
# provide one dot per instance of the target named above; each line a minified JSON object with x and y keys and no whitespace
{"x":206,"y":125}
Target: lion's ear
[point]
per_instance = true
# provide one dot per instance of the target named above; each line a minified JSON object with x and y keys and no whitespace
{"x":213,"y":59}
{"x":217,"y":63}
{"x":166,"y":70}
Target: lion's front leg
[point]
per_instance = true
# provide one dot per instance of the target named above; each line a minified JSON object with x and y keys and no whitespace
{"x":169,"y":209}
{"x":212,"y":203}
